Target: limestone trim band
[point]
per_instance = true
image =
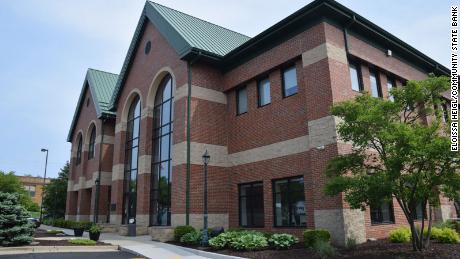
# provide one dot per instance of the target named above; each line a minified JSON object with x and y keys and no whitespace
{"x":325,"y":50}
{"x":201,"y":93}
{"x":106,"y":179}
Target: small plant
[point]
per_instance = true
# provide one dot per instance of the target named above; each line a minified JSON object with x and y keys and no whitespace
{"x":311,"y":236}
{"x":400,"y":235}
{"x":282,"y":241}
{"x":179,"y":231}
{"x":447,"y":236}
{"x":323,"y":248}
{"x":84,"y":242}
{"x":223,"y":240}
{"x":351,"y":243}
{"x":191,"y":238}
{"x":249,"y":241}
{"x":95,"y":229}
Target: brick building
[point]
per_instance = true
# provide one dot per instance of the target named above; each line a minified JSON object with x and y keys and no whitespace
{"x":34,"y":187}
{"x":260,"y":106}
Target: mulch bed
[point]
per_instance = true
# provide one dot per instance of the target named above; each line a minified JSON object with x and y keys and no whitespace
{"x":44,"y":233}
{"x":381,"y":249}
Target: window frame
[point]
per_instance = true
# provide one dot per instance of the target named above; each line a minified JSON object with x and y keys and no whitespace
{"x":92,"y":144}
{"x":283,"y":84}
{"x":251,"y":184}
{"x":392,"y":80}
{"x":373,"y":70}
{"x":237,"y":91}
{"x":392,"y":215}
{"x":357,"y":66}
{"x":79,"y":150}
{"x":259,"y":85}
{"x":289,"y":179}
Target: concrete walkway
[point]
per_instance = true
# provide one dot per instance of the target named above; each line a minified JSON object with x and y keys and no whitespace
{"x":144,"y":246}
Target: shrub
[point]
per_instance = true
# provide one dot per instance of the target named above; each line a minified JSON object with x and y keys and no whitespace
{"x":94,"y":229}
{"x":351,"y":243}
{"x":15,"y":229}
{"x":400,"y":235}
{"x":84,"y":242}
{"x":179,"y":231}
{"x":282,"y":241}
{"x":223,"y":240}
{"x":447,"y":235}
{"x":311,"y":236}
{"x":249,"y":241}
{"x":323,"y":248}
{"x":191,"y":238}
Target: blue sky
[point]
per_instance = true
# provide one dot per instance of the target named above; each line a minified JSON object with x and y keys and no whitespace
{"x":47,"y":45}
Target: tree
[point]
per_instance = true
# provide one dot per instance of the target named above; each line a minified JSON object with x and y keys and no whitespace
{"x":9,"y":183}
{"x":15,"y":229}
{"x":400,"y":150}
{"x":55,"y":193}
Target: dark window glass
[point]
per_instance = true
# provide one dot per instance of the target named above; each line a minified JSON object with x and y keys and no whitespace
{"x":79,"y":150}
{"x":263,"y":89}
{"x":289,"y":202}
{"x":390,"y":85}
{"x":161,"y":160}
{"x":355,"y":75}
{"x":445,"y":112}
{"x":289,"y":81}
{"x":92,"y":144}
{"x":251,"y":200}
{"x":131,"y":160}
{"x":241,"y":100}
{"x":375,"y":84}
{"x":383,"y":213}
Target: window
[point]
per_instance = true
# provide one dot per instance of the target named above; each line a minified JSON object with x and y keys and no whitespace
{"x":445,"y":112}
{"x":263,"y":89}
{"x":241,"y":100}
{"x":30,"y":189}
{"x":375,"y":84}
{"x":131,"y":160}
{"x":161,"y":160}
{"x":390,"y":85}
{"x":251,"y":200}
{"x":92,"y":143}
{"x":355,"y":75}
{"x":289,"y":202}
{"x":289,"y":81}
{"x":79,"y":149}
{"x":383,"y":213}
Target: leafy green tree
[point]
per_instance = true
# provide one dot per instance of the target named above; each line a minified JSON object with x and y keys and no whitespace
{"x":14,"y":226}
{"x":9,"y":183}
{"x":55,"y":193}
{"x":400,"y":149}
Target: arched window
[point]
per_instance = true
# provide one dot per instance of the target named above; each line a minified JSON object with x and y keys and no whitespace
{"x":131,"y":158}
{"x":161,"y":160}
{"x":79,"y":148}
{"x":92,"y":143}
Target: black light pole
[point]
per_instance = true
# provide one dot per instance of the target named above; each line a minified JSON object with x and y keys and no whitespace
{"x":206,"y":158}
{"x":44,"y":182}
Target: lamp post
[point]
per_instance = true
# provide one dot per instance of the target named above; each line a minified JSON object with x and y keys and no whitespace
{"x":44,"y":182}
{"x":206,"y":158}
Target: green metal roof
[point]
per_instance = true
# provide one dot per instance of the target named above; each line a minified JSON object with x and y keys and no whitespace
{"x":101,"y":86}
{"x":201,"y":34}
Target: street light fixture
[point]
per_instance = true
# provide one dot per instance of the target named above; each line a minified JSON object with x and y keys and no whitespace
{"x":44,"y":182}
{"x":206,"y":158}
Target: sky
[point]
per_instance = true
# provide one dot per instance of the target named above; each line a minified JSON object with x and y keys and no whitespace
{"x":46,"y":47}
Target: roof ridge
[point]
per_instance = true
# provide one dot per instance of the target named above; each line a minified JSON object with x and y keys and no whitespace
{"x":200,"y":19}
{"x":102,"y":71}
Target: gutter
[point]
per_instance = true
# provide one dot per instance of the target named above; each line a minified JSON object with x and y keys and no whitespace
{"x":189,"y":103}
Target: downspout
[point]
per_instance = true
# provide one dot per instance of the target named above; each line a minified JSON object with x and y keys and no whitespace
{"x":98,"y":180}
{"x":189,"y":104}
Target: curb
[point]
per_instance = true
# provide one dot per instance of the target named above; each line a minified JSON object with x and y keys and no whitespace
{"x":56,"y":249}
{"x":208,"y":254}
{"x":124,"y":249}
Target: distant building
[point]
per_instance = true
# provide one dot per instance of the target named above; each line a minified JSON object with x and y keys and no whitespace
{"x":34,"y":186}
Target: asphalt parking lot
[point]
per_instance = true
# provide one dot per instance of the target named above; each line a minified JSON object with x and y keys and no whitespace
{"x":73,"y":255}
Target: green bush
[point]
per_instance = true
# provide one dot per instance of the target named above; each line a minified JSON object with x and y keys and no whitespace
{"x":84,"y":242}
{"x":223,"y":240}
{"x":351,"y":243}
{"x":323,"y":248}
{"x":400,"y":235}
{"x":249,"y":241}
{"x":282,"y":241}
{"x":15,"y":229}
{"x":191,"y":238}
{"x":86,"y":225}
{"x":446,"y":235}
{"x":94,"y":229}
{"x":311,"y":236}
{"x":179,"y":231}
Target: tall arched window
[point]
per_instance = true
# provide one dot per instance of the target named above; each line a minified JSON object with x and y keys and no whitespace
{"x":92,"y":143}
{"x":79,"y":150}
{"x":131,"y":158}
{"x":161,"y":160}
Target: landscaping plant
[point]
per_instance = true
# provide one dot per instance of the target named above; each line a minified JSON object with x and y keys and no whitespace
{"x":191,"y":238}
{"x":399,"y":235}
{"x":179,"y":231}
{"x":84,"y":242}
{"x":249,"y":241}
{"x":311,"y":236}
{"x":395,"y":153}
{"x":323,"y":248}
{"x":94,"y":232}
{"x":15,"y":229}
{"x":282,"y":241}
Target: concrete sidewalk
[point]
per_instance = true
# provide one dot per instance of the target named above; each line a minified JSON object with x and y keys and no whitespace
{"x":144,"y":246}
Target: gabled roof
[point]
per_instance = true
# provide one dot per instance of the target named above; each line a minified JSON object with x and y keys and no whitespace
{"x":101,"y":86}
{"x":193,"y":38}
